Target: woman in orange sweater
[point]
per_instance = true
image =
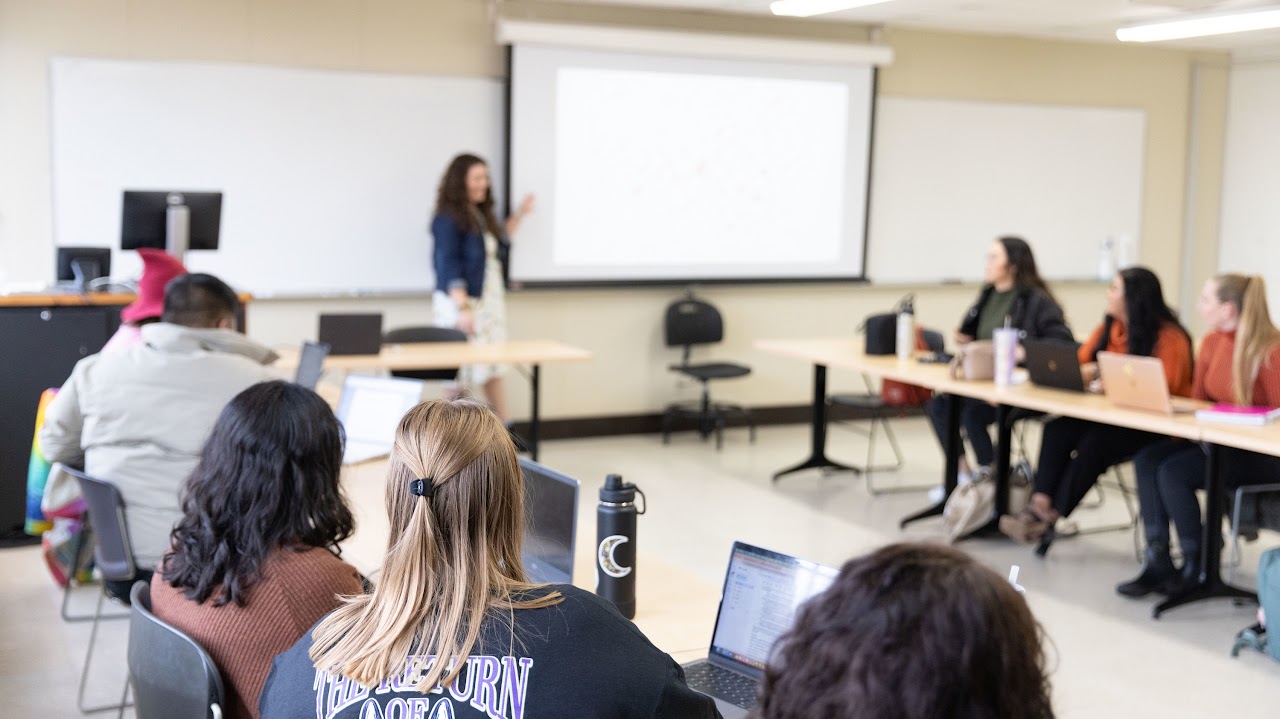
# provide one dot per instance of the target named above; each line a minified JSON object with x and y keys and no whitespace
{"x":1239,"y":364}
{"x":254,"y":561}
{"x":1074,"y":452}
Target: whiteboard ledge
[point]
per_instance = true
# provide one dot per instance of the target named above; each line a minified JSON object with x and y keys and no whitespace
{"x":600,"y":37}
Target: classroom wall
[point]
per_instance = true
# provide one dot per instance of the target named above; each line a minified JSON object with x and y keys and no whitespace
{"x":621,"y":326}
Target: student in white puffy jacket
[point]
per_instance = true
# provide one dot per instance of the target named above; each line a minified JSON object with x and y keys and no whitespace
{"x":138,"y":417}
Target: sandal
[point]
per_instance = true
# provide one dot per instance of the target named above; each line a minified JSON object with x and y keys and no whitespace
{"x":1025,"y":527}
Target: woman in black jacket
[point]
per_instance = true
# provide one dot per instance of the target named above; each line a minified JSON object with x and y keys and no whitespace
{"x":1014,"y":292}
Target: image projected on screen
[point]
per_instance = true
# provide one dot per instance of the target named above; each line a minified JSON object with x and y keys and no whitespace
{"x":679,"y":169}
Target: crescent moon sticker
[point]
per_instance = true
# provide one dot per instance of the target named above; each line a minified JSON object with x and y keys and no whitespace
{"x":605,"y":559}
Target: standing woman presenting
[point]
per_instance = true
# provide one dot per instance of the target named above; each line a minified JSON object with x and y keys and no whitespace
{"x":471,"y":252}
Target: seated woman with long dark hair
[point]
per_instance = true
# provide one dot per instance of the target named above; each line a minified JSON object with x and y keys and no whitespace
{"x":1074,"y":452}
{"x":254,"y":560}
{"x":910,"y":631}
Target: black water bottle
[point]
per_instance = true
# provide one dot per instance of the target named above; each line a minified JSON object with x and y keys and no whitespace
{"x":616,"y":544}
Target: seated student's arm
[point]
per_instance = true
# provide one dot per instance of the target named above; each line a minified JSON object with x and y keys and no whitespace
{"x":1209,"y":349}
{"x":64,"y":423}
{"x":1266,"y":391}
{"x":1173,"y":349}
{"x":1050,"y":323}
{"x":1089,"y":368}
{"x":678,"y":701}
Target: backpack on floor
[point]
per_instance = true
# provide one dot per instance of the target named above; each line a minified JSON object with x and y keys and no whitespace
{"x":1255,"y":637}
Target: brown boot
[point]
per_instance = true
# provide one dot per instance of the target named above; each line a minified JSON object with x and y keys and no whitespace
{"x":1023,"y":527}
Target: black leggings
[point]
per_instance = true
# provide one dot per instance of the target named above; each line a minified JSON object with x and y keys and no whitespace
{"x":975,"y":417}
{"x":1075,"y":452}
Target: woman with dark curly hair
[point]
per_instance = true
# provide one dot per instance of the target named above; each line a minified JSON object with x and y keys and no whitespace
{"x":911,"y":631}
{"x":254,"y":560}
{"x":470,"y":254}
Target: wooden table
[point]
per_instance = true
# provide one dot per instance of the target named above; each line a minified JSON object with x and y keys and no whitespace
{"x":847,"y":353}
{"x":445,"y":355}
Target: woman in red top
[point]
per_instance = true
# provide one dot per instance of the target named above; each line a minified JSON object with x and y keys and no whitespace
{"x":1239,"y":364}
{"x":1074,"y":452}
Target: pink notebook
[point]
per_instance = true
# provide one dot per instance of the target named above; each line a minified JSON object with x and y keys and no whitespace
{"x":1235,"y":414}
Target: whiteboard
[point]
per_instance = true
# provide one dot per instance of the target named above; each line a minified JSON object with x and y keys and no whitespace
{"x":1250,"y":235}
{"x":949,"y":177}
{"x":328,"y":178}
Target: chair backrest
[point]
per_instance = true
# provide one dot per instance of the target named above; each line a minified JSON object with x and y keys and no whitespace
{"x":405,"y":335}
{"x":934,"y":341}
{"x":112,"y":551}
{"x":173,"y":677}
{"x":692,"y":322}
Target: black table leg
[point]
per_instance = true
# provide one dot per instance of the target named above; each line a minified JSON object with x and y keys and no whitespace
{"x":953,"y":448}
{"x":818,"y":448}
{"x":534,"y":421}
{"x":1210,"y":584}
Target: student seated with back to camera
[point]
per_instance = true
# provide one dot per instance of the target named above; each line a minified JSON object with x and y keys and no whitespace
{"x":138,"y":417}
{"x":454,"y":627}
{"x":254,"y":560}
{"x":910,"y":631}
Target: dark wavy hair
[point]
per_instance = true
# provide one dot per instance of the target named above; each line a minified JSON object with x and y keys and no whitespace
{"x":1026,"y":276}
{"x":267,"y":479}
{"x":1144,"y":303}
{"x":452,"y":200}
{"x":911,"y":631}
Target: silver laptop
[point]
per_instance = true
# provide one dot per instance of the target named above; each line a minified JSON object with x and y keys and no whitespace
{"x":370,"y":410}
{"x":762,"y":591}
{"x":1139,"y":383}
{"x":551,"y":503}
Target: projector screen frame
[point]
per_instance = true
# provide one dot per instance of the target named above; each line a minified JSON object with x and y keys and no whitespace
{"x":861,"y":279}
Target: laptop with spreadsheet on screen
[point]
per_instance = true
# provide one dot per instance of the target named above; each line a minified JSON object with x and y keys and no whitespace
{"x":762,"y":591}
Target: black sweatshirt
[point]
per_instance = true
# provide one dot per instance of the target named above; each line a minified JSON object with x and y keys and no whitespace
{"x":577,"y":658}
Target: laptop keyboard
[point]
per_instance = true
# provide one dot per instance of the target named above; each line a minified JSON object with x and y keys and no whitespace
{"x":737,"y":689}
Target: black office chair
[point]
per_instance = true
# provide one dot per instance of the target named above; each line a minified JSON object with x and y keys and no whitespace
{"x":405,"y":335}
{"x":872,"y":403}
{"x":173,"y":677}
{"x":113,"y":555}
{"x":691,"y":322}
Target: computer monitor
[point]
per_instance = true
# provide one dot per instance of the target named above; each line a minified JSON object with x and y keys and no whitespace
{"x":171,"y":220}
{"x":83,"y":265}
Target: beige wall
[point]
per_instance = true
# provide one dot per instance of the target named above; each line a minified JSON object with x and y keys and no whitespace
{"x":621,"y":326}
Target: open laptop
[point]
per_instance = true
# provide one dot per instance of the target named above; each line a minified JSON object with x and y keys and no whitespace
{"x":1139,"y":383}
{"x":551,"y":501}
{"x":311,"y":364}
{"x":762,"y":591}
{"x":370,"y":410}
{"x":1053,"y":363}
{"x":349,"y":334}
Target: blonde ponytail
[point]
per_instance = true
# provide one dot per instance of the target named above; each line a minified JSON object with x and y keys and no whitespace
{"x":453,"y":558}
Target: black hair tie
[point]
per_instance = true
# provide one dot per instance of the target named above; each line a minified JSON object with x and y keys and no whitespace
{"x":422,"y":487}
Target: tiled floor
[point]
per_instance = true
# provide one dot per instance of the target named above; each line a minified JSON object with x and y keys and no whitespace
{"x":1110,"y":659}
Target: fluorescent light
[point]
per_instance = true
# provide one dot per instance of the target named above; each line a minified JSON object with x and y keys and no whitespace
{"x":1201,"y":26}
{"x":807,"y":8}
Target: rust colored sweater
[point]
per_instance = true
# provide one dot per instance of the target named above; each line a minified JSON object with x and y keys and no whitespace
{"x":1214,"y":373}
{"x":295,"y":591}
{"x":1173,"y":349}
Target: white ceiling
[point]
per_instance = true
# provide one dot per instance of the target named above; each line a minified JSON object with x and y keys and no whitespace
{"x":1095,"y":20}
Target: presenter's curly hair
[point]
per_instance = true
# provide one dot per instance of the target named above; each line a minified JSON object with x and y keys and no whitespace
{"x":911,"y":631}
{"x":267,"y":480}
{"x":452,"y":199}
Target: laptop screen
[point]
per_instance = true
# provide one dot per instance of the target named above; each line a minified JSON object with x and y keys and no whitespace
{"x":551,"y":502}
{"x":371,"y":407}
{"x":762,"y":591}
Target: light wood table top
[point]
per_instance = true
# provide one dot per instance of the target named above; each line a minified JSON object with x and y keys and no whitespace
{"x":75,"y":299}
{"x":444,"y":355}
{"x":1263,"y":440}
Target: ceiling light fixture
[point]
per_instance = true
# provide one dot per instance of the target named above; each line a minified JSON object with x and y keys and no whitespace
{"x":809,"y":8}
{"x":1201,"y":26}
